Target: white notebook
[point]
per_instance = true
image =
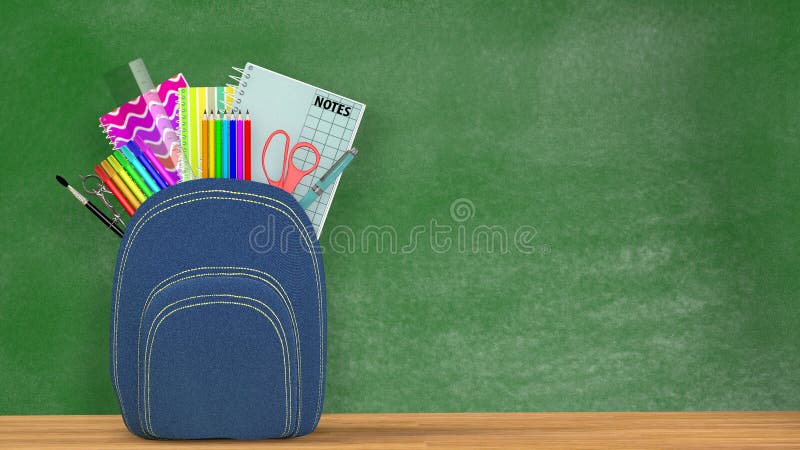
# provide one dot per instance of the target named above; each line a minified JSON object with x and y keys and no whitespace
{"x":306,"y":113}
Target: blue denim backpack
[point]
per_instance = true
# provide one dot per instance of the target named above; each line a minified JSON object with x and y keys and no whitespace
{"x":218,"y":315}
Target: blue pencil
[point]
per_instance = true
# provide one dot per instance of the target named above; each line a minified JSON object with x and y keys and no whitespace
{"x":234,"y":162}
{"x":226,"y":161}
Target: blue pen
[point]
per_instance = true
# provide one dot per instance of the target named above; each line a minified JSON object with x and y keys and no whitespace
{"x":146,"y":163}
{"x":232,"y":162}
{"x":226,"y":162}
{"x":140,"y":169}
{"x":329,"y":177}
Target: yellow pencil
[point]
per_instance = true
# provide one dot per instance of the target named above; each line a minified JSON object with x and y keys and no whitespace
{"x":126,"y":178}
{"x":120,"y":185}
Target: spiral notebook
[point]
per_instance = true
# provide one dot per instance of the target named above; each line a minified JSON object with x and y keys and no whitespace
{"x":306,"y":113}
{"x":193,"y":101}
{"x":139,"y":119}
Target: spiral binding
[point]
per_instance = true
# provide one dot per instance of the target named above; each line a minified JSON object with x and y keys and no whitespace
{"x":237,"y":89}
{"x":182,"y":112}
{"x":183,"y":131}
{"x":108,"y":138}
{"x":228,"y":97}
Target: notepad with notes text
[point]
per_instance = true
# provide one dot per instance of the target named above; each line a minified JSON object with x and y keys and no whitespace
{"x":307,"y":114}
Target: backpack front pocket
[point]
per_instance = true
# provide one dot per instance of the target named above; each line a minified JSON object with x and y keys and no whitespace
{"x":218,"y":357}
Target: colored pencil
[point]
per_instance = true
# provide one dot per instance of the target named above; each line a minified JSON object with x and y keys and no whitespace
{"x":232,"y":146}
{"x":212,"y":146}
{"x":240,"y":147}
{"x":247,"y":144}
{"x":218,"y":146}
{"x":226,"y":143}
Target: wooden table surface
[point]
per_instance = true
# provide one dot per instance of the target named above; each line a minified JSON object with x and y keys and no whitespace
{"x":460,"y":430}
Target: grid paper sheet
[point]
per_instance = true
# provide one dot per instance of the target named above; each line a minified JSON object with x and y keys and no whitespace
{"x":333,"y":135}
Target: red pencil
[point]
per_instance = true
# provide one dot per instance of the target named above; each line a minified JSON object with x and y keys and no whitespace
{"x":114,"y":190}
{"x":247,"y":146}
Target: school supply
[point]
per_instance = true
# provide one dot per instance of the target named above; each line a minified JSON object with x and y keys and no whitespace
{"x":217,"y":145}
{"x":326,"y":180}
{"x":224,"y":340}
{"x":306,"y":113}
{"x":210,"y":153}
{"x":305,"y":135}
{"x":140,"y":170}
{"x":146,"y":164}
{"x":204,"y":145}
{"x":132,"y":173}
{"x":126,"y":178}
{"x":150,"y":117}
{"x":240,"y":147}
{"x":156,"y":108}
{"x":97,"y":213}
{"x":115,"y":190}
{"x":100,"y":190}
{"x":248,"y":126}
{"x":155,"y":162}
{"x":121,"y":184}
{"x":232,"y":150}
{"x":226,"y":142}
{"x":290,"y":173}
{"x":193,"y":103}
{"x":140,"y":74}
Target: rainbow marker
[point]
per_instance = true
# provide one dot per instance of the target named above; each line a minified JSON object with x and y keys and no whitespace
{"x":155,"y":162}
{"x":146,"y":164}
{"x":126,"y":179}
{"x":142,"y":172}
{"x":129,"y":195}
{"x":127,"y":167}
{"x":115,"y":190}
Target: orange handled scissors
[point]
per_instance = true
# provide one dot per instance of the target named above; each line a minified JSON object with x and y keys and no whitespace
{"x":290,"y":173}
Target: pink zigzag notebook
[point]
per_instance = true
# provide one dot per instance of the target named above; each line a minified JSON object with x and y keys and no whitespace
{"x":146,"y":120}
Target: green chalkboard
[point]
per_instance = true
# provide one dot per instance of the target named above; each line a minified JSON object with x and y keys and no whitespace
{"x":557,"y":205}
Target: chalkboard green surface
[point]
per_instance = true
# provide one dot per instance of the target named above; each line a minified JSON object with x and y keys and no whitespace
{"x":556,"y":206}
